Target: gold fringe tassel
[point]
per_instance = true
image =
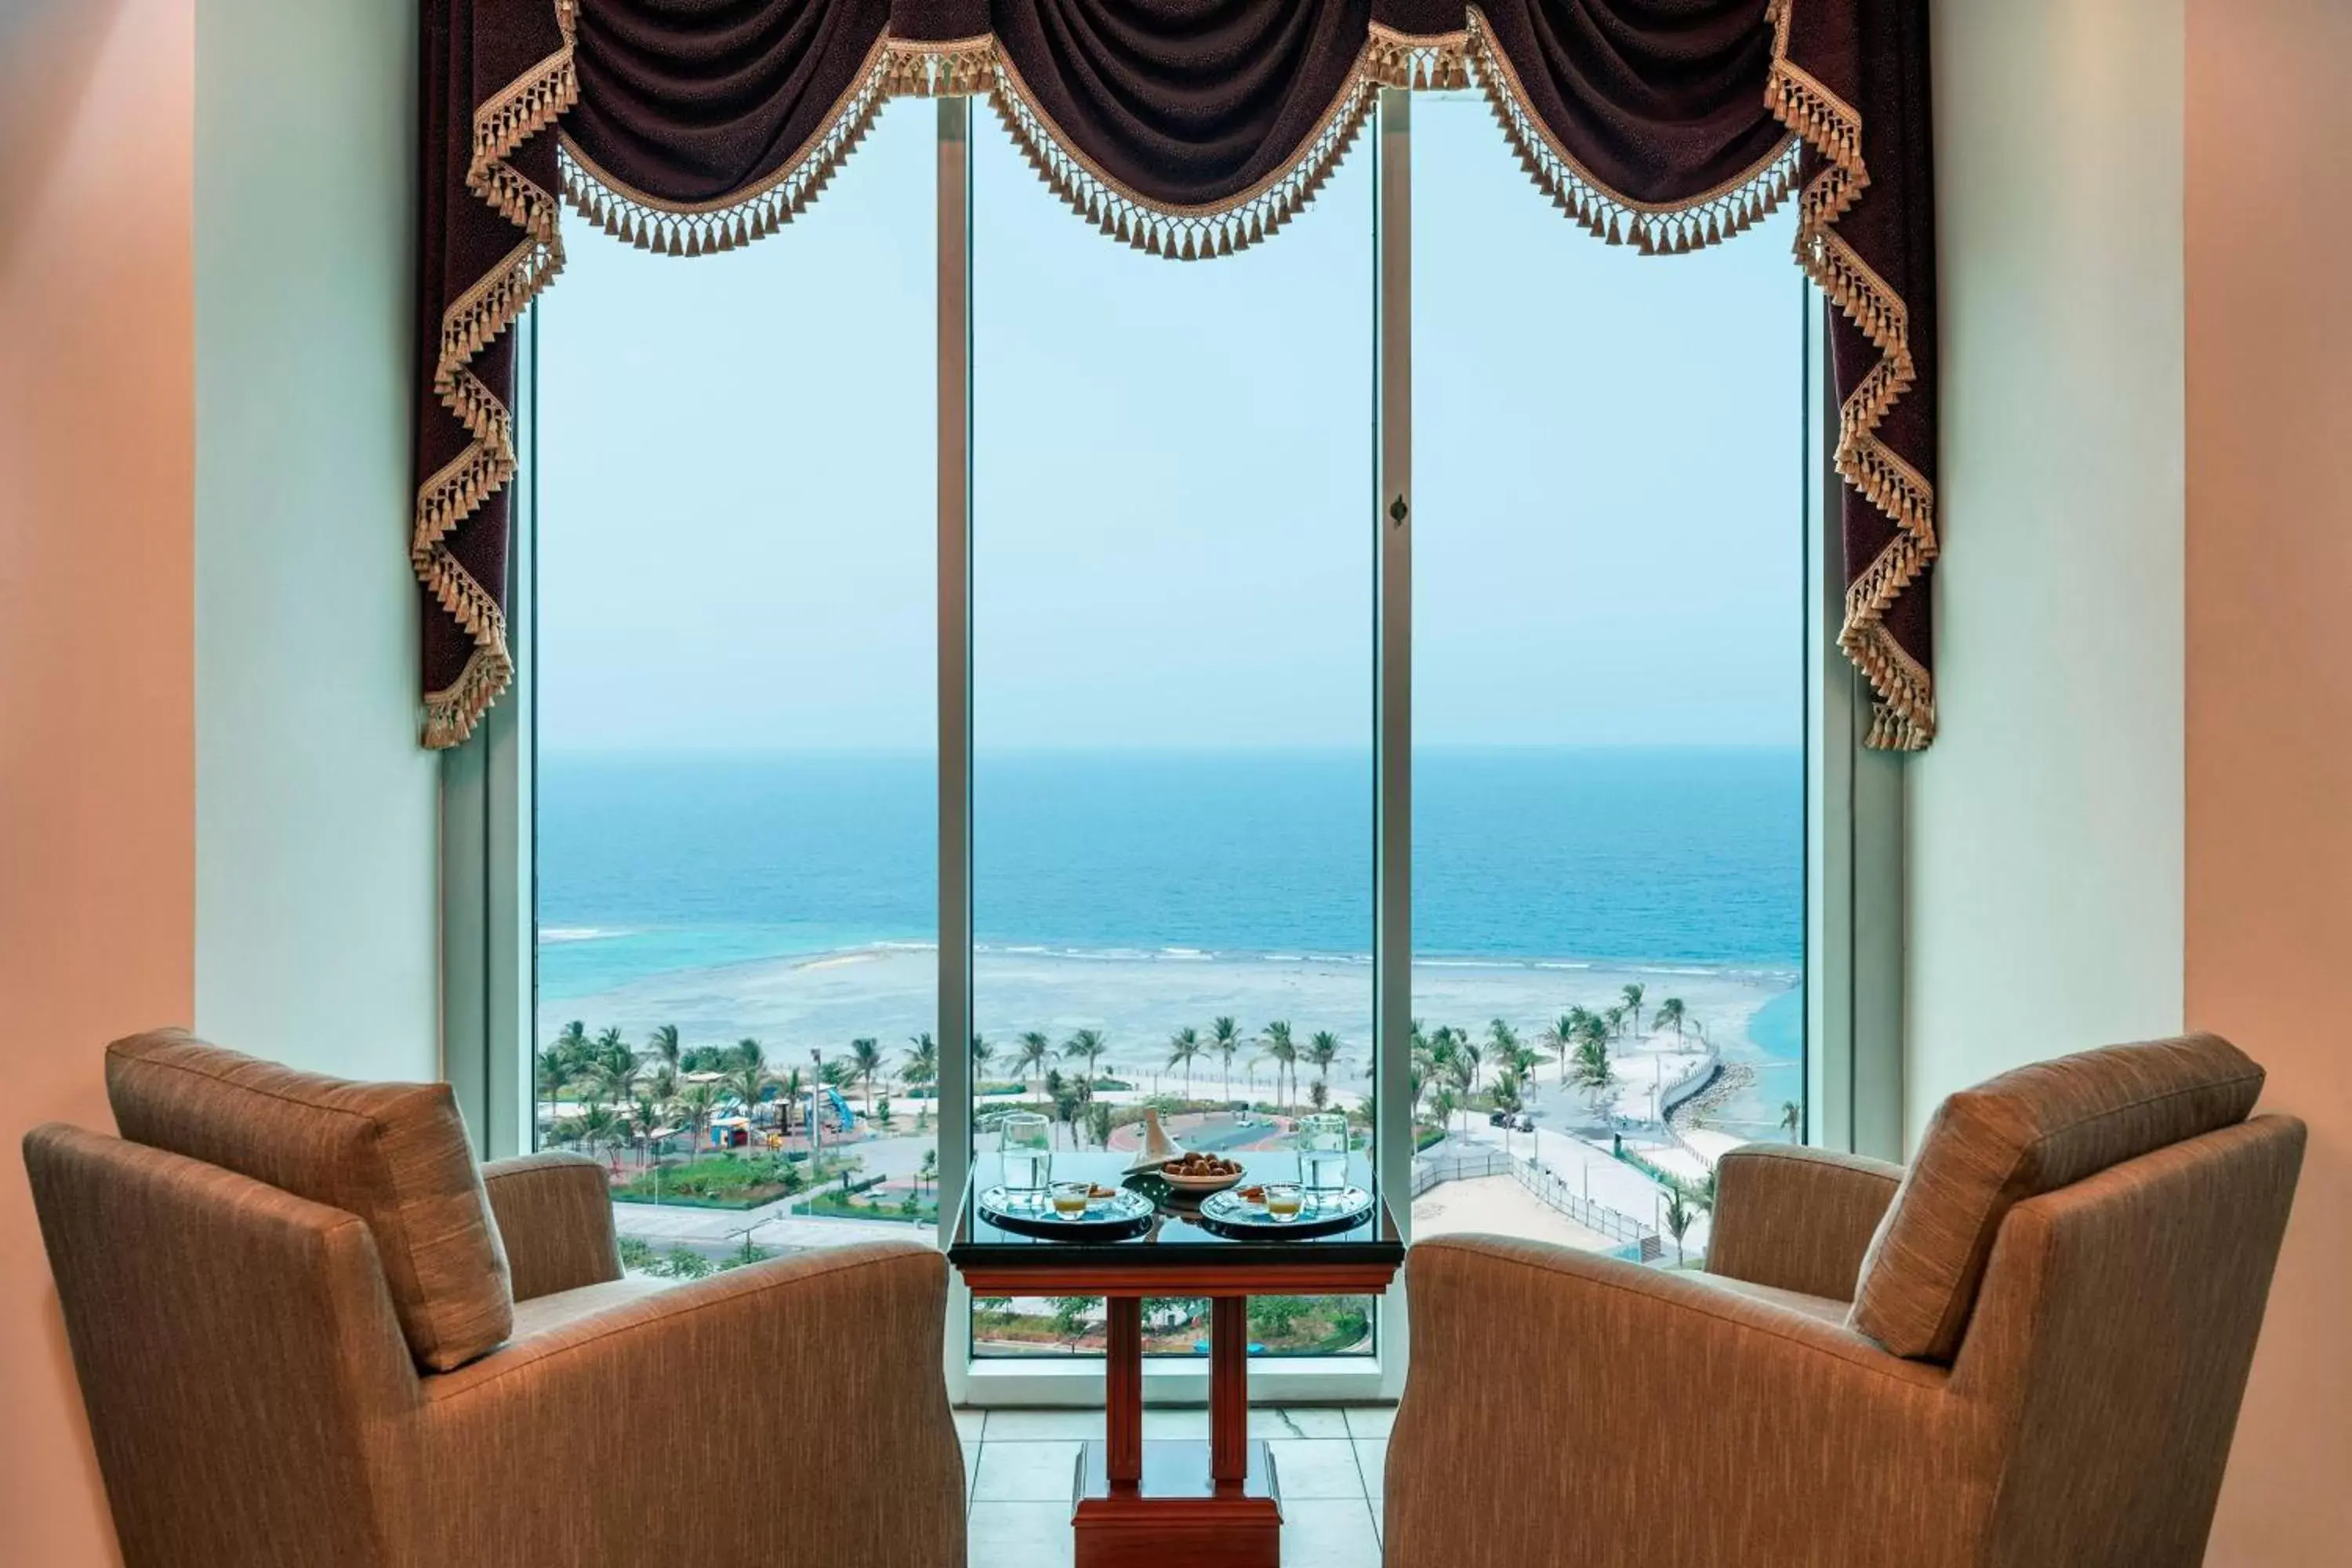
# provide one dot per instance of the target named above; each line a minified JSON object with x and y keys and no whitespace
{"x":1904,"y":717}
{"x":1655,"y":229}
{"x":523,"y":109}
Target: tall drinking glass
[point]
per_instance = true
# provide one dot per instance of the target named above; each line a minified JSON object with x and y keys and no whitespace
{"x":1025,"y":1140}
{"x":1323,"y":1153}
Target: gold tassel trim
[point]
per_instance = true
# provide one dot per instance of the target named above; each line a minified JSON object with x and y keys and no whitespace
{"x":525,"y":108}
{"x":710,"y":228}
{"x":976,"y":67}
{"x":1904,"y":715}
{"x":451,"y":713}
{"x":1672,"y":229}
{"x":1196,"y":233}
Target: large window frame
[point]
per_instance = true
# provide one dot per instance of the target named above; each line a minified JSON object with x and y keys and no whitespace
{"x":1852,"y":862}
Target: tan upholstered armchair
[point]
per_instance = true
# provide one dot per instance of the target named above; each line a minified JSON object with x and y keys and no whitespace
{"x":418,"y":1366}
{"x":2026,"y":1351}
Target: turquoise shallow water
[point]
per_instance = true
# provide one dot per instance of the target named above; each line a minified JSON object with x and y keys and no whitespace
{"x":1649,"y":856}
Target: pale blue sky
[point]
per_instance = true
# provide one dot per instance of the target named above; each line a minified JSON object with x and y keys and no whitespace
{"x":1173,"y":496}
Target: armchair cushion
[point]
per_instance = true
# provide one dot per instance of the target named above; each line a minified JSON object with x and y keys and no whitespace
{"x":395,"y":1154}
{"x":2024,"y":1133}
{"x":1796,"y":1218}
{"x":554,"y":1213}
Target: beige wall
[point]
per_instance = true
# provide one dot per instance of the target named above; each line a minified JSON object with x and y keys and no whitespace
{"x":96,"y":710}
{"x":316,"y":866}
{"x":215,"y":808}
{"x":2043,"y":831}
{"x":2270,"y":697}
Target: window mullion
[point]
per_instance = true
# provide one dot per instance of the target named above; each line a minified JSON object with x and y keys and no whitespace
{"x":1392,"y":742}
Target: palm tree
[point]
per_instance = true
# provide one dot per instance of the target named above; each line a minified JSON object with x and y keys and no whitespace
{"x":600,"y":1128}
{"x":750,"y":1077}
{"x":1559,"y":1039}
{"x":1594,"y":1071}
{"x":1087,"y":1045}
{"x":571,"y":1040}
{"x":1463,"y":1049}
{"x":554,"y":1072}
{"x":611,"y":1048}
{"x":982,"y":1051}
{"x":1506,"y":1100}
{"x":1792,"y":1119}
{"x":1615,"y":1018}
{"x":1035,"y":1054}
{"x":697,"y":1104}
{"x":1442,"y":1105}
{"x":1184,"y":1050}
{"x":1461,"y":1074}
{"x":1322,"y":1050}
{"x":1679,"y":1215}
{"x":1671,"y":1013}
{"x":1225,"y":1039}
{"x":1632,"y":994}
{"x":1066,"y":1096}
{"x":616,"y":1070}
{"x":921,"y":1063}
{"x":663,"y":1046}
{"x":645,"y":1116}
{"x":1282,"y":1052}
{"x":789,"y":1086}
{"x":865,"y":1056}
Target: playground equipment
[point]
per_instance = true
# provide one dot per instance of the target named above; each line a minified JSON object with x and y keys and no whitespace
{"x":844,"y":1119}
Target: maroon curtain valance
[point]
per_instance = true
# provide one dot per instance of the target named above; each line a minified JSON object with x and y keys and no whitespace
{"x":1187,"y":128}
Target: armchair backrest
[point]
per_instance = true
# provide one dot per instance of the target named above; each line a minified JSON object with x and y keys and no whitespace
{"x":395,"y":1154}
{"x":2027,"y":1133}
{"x":2110,"y":1346}
{"x":238,"y":1354}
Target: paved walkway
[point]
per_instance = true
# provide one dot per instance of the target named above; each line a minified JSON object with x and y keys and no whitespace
{"x":1498,"y":1205}
{"x":1590,"y":1171}
{"x":665,"y":1225}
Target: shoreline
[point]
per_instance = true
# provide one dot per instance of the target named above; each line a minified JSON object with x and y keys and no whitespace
{"x":824,"y":999}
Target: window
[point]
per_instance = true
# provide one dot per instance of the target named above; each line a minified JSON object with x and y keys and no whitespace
{"x":1181,"y":571}
{"x":1609,"y":713}
{"x":736,"y":911}
{"x":1172,"y":593}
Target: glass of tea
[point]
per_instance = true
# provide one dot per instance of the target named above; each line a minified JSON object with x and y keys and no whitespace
{"x":1281,"y":1202}
{"x":1070,"y":1198}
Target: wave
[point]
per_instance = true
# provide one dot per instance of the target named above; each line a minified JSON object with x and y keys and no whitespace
{"x":549,"y":934}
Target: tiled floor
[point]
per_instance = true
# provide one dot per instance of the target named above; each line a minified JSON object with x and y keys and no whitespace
{"x":1017,"y":1466}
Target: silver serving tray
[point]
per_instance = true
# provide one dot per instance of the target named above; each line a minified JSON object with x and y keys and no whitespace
{"x":1027,"y":1215}
{"x":1320,"y":1211}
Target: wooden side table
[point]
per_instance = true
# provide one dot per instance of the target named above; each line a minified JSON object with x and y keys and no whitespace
{"x":1177,"y":1504}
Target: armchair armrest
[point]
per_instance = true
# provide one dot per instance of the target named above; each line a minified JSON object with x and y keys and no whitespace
{"x":790,"y":1411}
{"x":555,"y":1216}
{"x":1798,"y":1219}
{"x":1560,"y":1399}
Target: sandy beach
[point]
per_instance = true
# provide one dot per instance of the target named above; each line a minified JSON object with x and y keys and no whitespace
{"x":1138,"y":999}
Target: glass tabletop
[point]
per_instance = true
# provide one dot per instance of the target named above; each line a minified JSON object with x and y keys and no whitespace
{"x":1176,"y":1226}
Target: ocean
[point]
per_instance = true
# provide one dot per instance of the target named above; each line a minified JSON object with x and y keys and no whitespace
{"x":793,"y":896}
{"x":1625,"y":856}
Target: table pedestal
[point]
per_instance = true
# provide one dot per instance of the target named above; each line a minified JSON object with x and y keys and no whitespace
{"x":1177,"y":1504}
